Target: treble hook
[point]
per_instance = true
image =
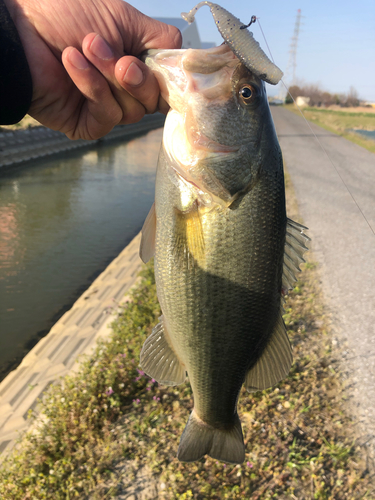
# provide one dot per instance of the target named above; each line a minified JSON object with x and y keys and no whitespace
{"x":253,"y":20}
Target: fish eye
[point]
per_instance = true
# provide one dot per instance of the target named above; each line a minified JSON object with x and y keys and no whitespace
{"x":248,"y":93}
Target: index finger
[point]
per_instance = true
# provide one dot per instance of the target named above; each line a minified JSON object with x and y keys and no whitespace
{"x":139,"y":81}
{"x":140,"y":32}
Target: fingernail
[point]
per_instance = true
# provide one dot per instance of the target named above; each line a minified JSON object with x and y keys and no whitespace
{"x":101,"y":49}
{"x":134,"y":75}
{"x":78,"y":60}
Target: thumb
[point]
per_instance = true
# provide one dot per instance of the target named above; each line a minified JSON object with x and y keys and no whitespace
{"x":140,"y":32}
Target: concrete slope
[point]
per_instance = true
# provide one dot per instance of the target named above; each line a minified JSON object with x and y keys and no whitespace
{"x":343,"y":244}
{"x":36,"y":142}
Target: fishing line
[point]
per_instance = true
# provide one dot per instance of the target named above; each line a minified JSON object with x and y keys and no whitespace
{"x":317,"y":139}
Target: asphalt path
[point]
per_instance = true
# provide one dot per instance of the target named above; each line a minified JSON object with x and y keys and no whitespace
{"x":343,"y":244}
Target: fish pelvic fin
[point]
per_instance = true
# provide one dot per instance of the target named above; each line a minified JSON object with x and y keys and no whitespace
{"x":147,"y":248}
{"x":158,"y":359}
{"x":199,"y":439}
{"x":274,"y":363}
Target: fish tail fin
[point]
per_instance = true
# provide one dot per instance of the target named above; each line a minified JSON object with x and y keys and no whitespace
{"x":199,"y":439}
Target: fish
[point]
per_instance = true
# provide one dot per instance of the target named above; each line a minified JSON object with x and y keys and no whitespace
{"x":225,"y":253}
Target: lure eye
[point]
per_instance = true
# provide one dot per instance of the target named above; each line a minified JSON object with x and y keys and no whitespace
{"x":248,"y":93}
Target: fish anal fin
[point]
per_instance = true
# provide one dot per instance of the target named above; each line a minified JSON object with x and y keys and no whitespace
{"x":274,"y":363}
{"x":158,"y":359}
{"x":199,"y":439}
{"x":147,"y":248}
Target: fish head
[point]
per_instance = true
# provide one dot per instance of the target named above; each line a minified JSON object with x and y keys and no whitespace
{"x":219,"y":130}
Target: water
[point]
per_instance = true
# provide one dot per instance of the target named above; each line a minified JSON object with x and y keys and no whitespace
{"x":62,"y":221}
{"x":369,"y":134}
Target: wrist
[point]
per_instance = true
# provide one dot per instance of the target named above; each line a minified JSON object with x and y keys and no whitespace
{"x":11,"y":5}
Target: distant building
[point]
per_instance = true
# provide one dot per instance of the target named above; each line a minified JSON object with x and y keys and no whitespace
{"x":302,"y":101}
{"x":189,"y":32}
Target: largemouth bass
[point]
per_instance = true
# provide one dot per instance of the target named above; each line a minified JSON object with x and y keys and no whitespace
{"x":225,"y":252}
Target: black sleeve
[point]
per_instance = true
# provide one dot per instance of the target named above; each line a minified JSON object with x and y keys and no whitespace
{"x":15,"y":78}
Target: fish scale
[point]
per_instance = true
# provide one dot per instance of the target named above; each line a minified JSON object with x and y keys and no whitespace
{"x":197,"y":303}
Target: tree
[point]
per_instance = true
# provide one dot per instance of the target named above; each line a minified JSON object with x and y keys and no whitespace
{"x":352,"y":99}
{"x":295,"y":90}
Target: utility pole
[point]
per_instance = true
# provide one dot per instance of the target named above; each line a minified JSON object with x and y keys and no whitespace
{"x":290,"y":73}
{"x":292,"y":64}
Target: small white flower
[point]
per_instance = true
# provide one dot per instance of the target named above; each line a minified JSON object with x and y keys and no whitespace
{"x":62,"y":400}
{"x":95,"y":410}
{"x":121,"y":385}
{"x":51,"y":471}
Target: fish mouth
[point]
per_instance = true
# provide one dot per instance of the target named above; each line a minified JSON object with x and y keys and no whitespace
{"x":190,"y":81}
{"x":184,"y":73}
{"x":193,"y":70}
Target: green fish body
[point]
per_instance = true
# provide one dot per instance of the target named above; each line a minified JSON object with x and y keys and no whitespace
{"x":218,"y":231}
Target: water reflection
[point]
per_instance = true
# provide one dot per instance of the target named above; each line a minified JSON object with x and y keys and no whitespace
{"x":369,"y":134}
{"x":61,"y":222}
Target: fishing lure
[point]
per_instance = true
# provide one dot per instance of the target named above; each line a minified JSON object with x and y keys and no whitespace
{"x":241,"y":42}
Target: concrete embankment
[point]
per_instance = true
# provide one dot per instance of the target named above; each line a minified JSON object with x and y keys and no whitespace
{"x":75,"y":333}
{"x":22,"y":145}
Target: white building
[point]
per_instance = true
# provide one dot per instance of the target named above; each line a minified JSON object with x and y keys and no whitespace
{"x":189,"y":32}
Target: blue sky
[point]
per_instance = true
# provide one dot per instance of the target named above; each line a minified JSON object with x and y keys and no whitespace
{"x":336,"y":46}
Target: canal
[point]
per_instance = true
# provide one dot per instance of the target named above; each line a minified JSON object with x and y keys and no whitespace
{"x":62,"y":221}
{"x":369,"y":134}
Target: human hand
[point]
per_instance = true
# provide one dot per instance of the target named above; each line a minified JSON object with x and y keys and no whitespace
{"x":82,"y":95}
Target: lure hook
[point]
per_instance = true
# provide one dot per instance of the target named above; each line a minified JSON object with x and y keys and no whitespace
{"x":252,"y":20}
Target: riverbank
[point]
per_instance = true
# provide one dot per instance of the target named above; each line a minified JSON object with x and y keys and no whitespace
{"x":76,"y":333}
{"x":109,"y":431}
{"x":18,"y":145}
{"x":341,"y":122}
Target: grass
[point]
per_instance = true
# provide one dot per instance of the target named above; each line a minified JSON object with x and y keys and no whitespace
{"x":340,"y":122}
{"x":25,"y":123}
{"x":109,"y":421}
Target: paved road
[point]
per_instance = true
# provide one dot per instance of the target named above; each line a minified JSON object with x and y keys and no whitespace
{"x":342,"y":243}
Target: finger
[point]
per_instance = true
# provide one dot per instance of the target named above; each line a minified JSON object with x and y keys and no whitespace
{"x":100,"y":111}
{"x":139,"y":81}
{"x":104,"y":58}
{"x":140,"y":32}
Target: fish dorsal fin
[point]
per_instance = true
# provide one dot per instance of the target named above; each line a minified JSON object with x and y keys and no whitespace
{"x":274,"y":363}
{"x":158,"y":359}
{"x":295,"y":247}
{"x":147,"y":248}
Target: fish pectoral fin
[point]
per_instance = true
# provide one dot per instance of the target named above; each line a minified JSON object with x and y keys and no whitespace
{"x":295,"y":247}
{"x":199,"y":439}
{"x":274,"y":363}
{"x":147,"y":248}
{"x":189,"y":239}
{"x":158,"y":359}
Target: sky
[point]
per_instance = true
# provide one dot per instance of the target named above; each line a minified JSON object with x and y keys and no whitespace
{"x":336,"y":44}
